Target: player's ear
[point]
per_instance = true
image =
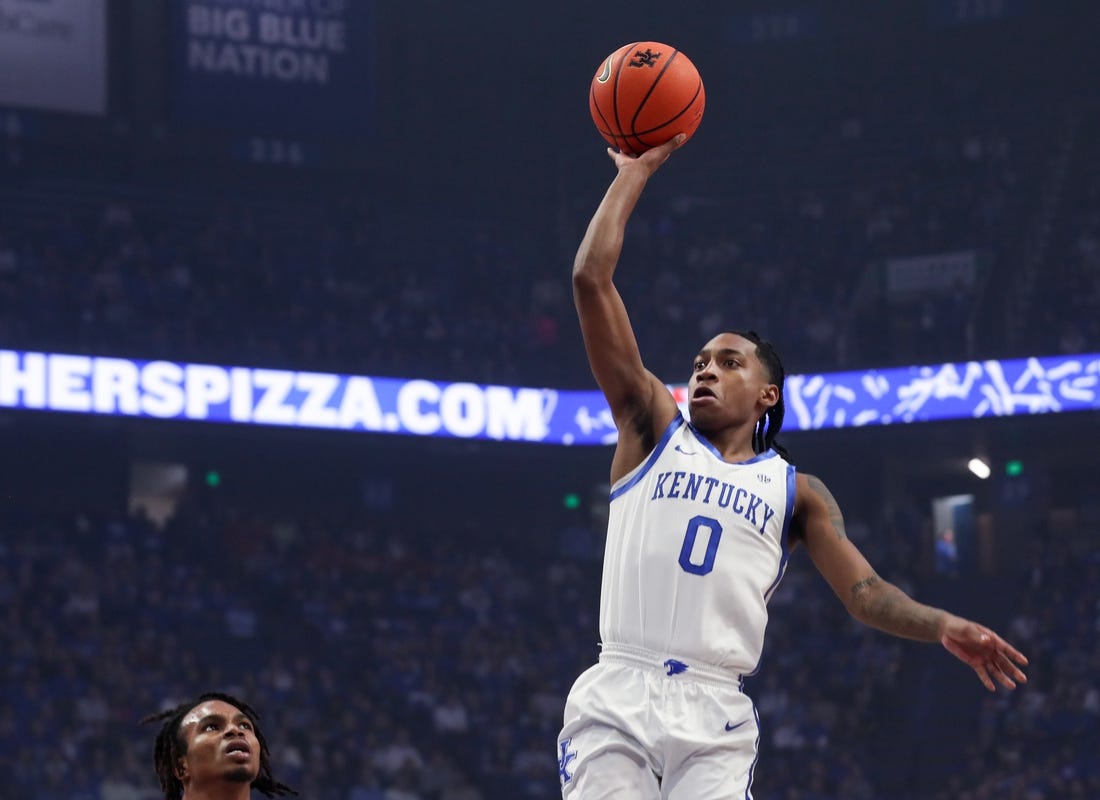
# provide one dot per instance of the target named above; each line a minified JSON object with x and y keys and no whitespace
{"x":181,"y":768}
{"x":769,"y":395}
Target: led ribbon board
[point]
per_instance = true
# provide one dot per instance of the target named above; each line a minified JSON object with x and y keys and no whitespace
{"x":210,"y":393}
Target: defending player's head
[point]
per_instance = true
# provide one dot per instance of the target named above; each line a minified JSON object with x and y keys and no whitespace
{"x":213,"y":742}
{"x":737,"y":378}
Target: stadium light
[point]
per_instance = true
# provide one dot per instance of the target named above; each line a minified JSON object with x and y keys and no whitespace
{"x":979,"y":468}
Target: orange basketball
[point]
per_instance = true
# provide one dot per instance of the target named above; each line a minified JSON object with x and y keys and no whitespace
{"x":644,"y":94}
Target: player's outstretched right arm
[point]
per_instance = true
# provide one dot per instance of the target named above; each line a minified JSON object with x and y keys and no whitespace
{"x":638,"y":400}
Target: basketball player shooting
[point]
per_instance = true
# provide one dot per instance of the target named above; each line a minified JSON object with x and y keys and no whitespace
{"x":704,"y":514}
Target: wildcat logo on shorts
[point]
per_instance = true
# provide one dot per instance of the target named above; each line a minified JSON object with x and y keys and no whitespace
{"x":675,"y":667}
{"x":564,"y":760}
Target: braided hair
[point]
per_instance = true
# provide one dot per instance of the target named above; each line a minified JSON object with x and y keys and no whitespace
{"x":170,"y":745}
{"x":769,"y":425}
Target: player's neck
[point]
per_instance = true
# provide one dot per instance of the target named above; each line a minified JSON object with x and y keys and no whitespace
{"x":738,"y":455}
{"x":733,"y":444}
{"x":222,"y":790}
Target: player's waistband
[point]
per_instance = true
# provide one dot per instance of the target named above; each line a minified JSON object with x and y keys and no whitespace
{"x":670,"y":665}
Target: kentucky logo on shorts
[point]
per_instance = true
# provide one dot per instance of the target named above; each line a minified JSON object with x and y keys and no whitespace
{"x":675,"y":667}
{"x":564,"y":760}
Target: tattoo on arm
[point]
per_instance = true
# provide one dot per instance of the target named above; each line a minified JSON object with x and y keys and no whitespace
{"x":884,"y":606}
{"x":835,"y":517}
{"x":863,"y":585}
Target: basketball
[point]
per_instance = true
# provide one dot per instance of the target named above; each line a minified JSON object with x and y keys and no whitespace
{"x":644,"y":94}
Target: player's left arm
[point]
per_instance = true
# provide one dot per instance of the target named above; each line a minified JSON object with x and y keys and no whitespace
{"x":819,"y":525}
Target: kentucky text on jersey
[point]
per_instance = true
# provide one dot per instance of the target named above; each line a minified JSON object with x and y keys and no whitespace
{"x":682,"y":485}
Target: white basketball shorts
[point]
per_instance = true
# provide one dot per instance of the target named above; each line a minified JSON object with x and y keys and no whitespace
{"x":647,"y":726}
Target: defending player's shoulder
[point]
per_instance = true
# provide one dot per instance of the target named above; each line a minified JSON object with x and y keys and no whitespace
{"x":816,"y":511}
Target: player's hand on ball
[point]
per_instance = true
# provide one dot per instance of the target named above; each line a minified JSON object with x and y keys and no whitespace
{"x":990,"y":656}
{"x":650,"y":159}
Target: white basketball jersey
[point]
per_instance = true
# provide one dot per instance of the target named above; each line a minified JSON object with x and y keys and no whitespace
{"x":695,"y":548}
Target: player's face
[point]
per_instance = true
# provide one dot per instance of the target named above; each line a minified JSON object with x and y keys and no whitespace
{"x":729,"y":385}
{"x":221,"y":745}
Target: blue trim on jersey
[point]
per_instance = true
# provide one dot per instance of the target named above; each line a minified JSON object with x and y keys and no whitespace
{"x":784,"y":540}
{"x":792,"y":489}
{"x":769,"y":453}
{"x":649,"y":462}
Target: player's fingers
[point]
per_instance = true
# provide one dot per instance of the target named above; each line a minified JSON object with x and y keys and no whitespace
{"x":1013,"y":653}
{"x":663,"y":151}
{"x":997,"y":672}
{"x":1009,"y":668}
{"x":1005,"y":650}
{"x":983,"y":676}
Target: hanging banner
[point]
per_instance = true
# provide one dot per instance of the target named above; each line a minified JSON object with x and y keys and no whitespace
{"x":53,"y":55}
{"x":288,"y":67}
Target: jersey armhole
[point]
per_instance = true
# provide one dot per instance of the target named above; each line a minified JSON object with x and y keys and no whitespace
{"x":628,"y":480}
{"x":792,"y":489}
